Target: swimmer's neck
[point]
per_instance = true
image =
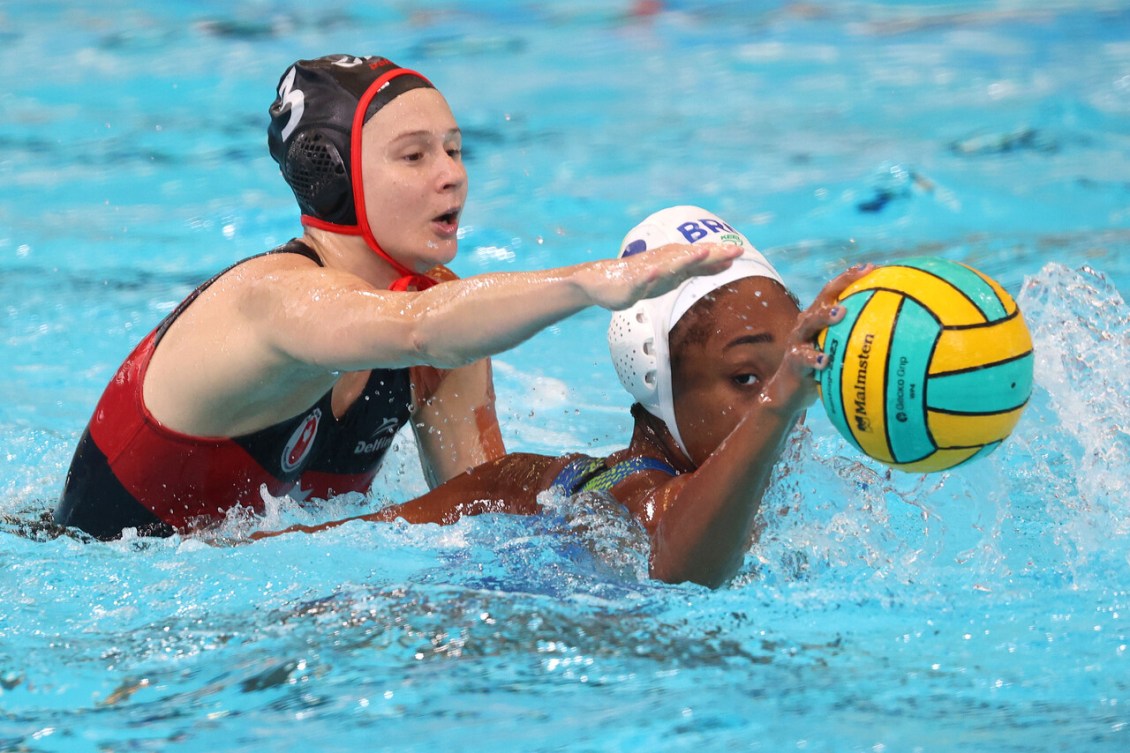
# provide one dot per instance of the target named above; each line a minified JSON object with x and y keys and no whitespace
{"x":348,"y":253}
{"x":651,"y":437}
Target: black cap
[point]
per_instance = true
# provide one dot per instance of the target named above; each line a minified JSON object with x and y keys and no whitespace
{"x":311,"y":131}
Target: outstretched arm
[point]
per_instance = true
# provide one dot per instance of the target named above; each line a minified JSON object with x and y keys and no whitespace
{"x":337,"y":324}
{"x":703,"y":521}
{"x":271,"y":336}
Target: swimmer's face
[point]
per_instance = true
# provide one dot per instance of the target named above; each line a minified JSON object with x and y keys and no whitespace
{"x":723,"y":351}
{"x":414,"y":179}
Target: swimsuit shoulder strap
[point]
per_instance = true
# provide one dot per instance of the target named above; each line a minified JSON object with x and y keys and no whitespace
{"x":293,"y":246}
{"x":574,"y":475}
{"x":586,"y":474}
{"x":605,"y":480}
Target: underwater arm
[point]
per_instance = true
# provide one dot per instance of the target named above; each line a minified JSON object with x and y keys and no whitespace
{"x":454,"y":420}
{"x":508,"y":485}
{"x":703,"y":521}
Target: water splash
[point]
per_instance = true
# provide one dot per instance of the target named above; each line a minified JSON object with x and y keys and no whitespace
{"x":1077,"y":433}
{"x":1051,"y":503}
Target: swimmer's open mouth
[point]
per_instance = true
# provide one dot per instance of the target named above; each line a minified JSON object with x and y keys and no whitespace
{"x":449,"y":218}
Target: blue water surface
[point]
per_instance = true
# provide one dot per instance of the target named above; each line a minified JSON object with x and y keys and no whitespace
{"x":987,"y":608}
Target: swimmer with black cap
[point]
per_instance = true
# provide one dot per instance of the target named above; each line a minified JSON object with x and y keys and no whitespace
{"x":290,"y":372}
{"x":317,"y":136}
{"x":721,"y":369}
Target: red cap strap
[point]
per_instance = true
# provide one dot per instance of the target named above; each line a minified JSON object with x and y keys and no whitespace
{"x":333,"y":227}
{"x":421,"y":282}
{"x":408,"y":278}
{"x":355,"y":166}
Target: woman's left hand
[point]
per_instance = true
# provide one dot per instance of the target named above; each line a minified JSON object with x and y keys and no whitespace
{"x":793,"y":387}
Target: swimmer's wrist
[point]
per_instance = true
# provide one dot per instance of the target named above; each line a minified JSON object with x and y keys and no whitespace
{"x":784,"y":402}
{"x":584,"y":282}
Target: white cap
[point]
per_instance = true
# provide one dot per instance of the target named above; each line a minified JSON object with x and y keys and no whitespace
{"x":637,"y":336}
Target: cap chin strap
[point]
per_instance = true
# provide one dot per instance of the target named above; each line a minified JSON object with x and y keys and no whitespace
{"x":408,"y":278}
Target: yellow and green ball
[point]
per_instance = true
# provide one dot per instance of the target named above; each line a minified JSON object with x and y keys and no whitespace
{"x":930,"y":367}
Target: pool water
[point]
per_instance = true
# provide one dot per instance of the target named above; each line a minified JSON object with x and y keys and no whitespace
{"x":987,"y":608}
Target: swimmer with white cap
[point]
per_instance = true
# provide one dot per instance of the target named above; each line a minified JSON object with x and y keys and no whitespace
{"x":722,"y":368}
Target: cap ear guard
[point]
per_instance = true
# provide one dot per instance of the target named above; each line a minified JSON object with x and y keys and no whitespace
{"x":642,"y":358}
{"x":315,"y":126}
{"x":632,"y":343}
{"x":315,"y":170}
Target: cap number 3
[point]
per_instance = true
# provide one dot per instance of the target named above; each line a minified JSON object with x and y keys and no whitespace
{"x":294,"y":99}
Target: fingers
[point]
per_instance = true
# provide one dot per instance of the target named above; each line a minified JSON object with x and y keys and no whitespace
{"x":814,"y":358}
{"x":794,"y":384}
{"x":718,"y":257}
{"x":826,"y":309}
{"x":665,"y":268}
{"x":672,"y":264}
{"x":818,"y":317}
{"x":838,"y":284}
{"x":696,"y":259}
{"x":793,"y":387}
{"x":805,"y":358}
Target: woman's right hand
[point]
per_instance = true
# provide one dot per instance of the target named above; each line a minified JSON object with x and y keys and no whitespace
{"x":618,"y":283}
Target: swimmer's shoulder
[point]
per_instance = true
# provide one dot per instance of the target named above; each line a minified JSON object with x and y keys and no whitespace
{"x":290,"y":257}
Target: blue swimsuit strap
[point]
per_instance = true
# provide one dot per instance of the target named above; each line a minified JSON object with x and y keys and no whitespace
{"x":585,"y":474}
{"x":576,"y":473}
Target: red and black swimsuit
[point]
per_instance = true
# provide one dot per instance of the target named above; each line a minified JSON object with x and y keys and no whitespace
{"x":130,"y":471}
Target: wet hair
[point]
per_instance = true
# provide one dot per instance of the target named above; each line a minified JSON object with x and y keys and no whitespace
{"x":695,"y":326}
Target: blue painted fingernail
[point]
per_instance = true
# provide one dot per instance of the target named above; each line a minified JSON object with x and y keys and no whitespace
{"x":820,"y":359}
{"x":834,"y":311}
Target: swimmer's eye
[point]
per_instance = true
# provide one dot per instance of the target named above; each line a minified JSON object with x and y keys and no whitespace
{"x":413,"y":156}
{"x":746,"y":380}
{"x":455,"y":153}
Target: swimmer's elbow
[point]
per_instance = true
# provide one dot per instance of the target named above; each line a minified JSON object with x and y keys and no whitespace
{"x":427,"y":347}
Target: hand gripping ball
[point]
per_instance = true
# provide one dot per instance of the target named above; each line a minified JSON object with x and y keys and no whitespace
{"x":930,"y":367}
